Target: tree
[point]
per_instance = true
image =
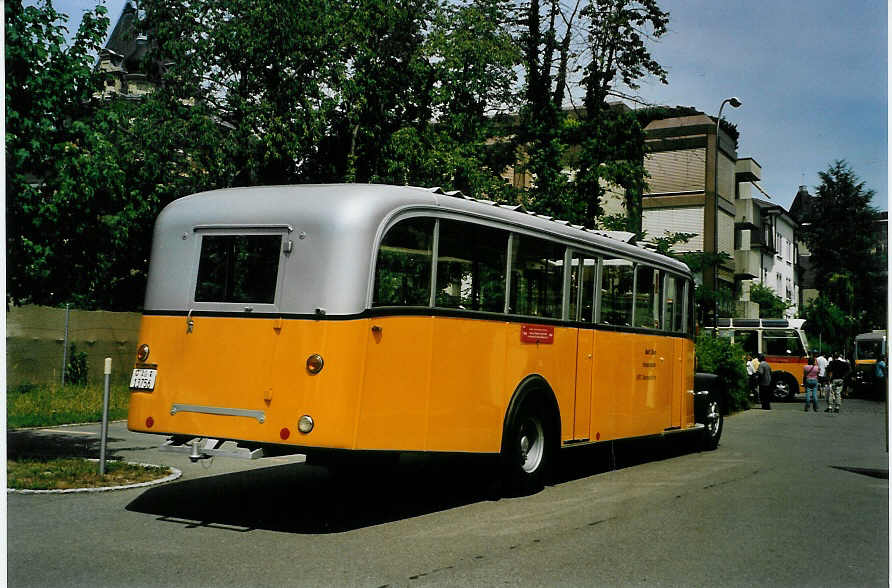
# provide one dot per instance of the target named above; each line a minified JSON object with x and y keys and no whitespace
{"x":605,"y":40}
{"x":770,"y":304}
{"x":837,"y":232}
{"x":612,"y":152}
{"x":470,"y":57}
{"x":546,"y":53}
{"x":827,"y":325}
{"x":50,"y":92}
{"x":262,"y":70}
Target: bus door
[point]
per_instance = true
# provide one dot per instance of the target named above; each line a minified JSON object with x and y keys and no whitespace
{"x":583,"y":272}
{"x":654,"y":355}
{"x":673,"y":321}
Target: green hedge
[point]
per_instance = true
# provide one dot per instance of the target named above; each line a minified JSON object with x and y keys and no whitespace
{"x":717,"y":355}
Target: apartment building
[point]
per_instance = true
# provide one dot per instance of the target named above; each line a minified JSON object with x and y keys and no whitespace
{"x":698,"y":185}
{"x":692,"y":188}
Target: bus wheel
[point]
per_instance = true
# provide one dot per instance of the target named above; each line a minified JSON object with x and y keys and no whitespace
{"x":785,"y":387}
{"x":526,"y":454}
{"x":713,"y":422}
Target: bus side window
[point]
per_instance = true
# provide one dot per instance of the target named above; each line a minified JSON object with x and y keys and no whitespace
{"x":616,"y":292}
{"x":471,"y":266}
{"x":648,"y":297}
{"x":537,"y":277}
{"x":403,"y":269}
{"x":748,"y":340}
{"x":582,"y":286}
{"x":672,"y":320}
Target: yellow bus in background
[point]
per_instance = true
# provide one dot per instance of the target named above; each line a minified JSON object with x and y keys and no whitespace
{"x":868,"y":348}
{"x":353,"y":321}
{"x":781,"y":341}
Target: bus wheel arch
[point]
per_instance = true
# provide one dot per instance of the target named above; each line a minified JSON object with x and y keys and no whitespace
{"x":530,"y":435}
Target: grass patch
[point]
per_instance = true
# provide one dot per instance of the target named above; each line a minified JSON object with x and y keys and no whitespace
{"x":62,"y":474}
{"x":30,"y":405}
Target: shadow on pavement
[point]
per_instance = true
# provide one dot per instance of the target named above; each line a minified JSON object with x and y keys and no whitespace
{"x":48,"y":444}
{"x":582,"y":462}
{"x":301,"y":498}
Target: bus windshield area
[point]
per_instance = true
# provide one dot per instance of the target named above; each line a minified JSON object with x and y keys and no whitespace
{"x":868,"y":349}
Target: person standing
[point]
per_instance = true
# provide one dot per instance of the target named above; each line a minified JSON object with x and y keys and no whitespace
{"x":822,"y":362}
{"x":838,"y":369}
{"x":750,"y":375}
{"x":879,"y":378}
{"x":754,"y":380}
{"x":764,"y":382}
{"x":810,"y":377}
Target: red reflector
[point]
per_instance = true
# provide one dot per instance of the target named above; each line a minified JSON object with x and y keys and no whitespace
{"x":150,"y":422}
{"x":284,"y":433}
{"x":597,"y":436}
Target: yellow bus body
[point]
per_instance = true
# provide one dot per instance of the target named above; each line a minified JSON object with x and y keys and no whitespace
{"x":404,"y":383}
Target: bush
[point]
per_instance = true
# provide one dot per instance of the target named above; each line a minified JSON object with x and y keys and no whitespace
{"x":717,"y":355}
{"x":76,"y":372}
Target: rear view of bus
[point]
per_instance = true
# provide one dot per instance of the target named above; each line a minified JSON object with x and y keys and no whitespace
{"x":253,"y":327}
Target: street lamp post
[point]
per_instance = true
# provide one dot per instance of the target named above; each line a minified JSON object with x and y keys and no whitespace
{"x":734,"y":102}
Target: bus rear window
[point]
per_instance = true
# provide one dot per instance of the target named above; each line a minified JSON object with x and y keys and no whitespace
{"x":238,"y":268}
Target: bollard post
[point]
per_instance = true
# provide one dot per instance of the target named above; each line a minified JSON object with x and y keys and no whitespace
{"x":65,"y":343}
{"x":102,"y":441}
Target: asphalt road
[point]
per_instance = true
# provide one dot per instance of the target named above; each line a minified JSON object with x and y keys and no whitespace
{"x":788,"y":499}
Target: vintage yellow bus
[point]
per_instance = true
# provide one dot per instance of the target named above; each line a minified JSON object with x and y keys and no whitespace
{"x":367,"y":320}
{"x":781,"y":341}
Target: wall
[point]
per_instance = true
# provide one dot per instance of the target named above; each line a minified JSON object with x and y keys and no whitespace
{"x":35,"y":334}
{"x":675,"y":171}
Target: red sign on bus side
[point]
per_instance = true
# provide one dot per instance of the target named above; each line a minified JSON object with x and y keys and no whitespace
{"x":536,"y":334}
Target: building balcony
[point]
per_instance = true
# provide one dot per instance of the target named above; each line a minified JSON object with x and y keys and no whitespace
{"x":747,"y":264}
{"x":747,"y":214}
{"x":758,"y":241}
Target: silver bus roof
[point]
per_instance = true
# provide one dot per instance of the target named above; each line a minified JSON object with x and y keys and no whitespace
{"x":334,"y":230}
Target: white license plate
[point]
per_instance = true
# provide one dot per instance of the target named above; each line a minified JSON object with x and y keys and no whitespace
{"x":143,"y":379}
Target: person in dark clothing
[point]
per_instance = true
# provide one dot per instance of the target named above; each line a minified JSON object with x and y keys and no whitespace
{"x":764,"y":373}
{"x":838,"y":370}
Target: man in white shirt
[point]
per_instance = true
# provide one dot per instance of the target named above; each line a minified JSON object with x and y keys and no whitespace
{"x":822,"y":362}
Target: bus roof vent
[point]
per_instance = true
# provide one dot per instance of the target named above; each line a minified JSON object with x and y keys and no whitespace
{"x":623,"y":236}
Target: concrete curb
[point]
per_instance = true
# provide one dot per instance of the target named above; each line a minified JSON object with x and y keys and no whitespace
{"x":174,"y":474}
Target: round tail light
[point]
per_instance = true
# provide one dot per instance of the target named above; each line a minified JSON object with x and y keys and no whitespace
{"x":315,"y":363}
{"x":305,"y":424}
{"x":142,"y":353}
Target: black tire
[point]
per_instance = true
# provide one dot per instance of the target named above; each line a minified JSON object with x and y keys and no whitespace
{"x":714,"y":423}
{"x":528,"y":447}
{"x":783,"y":387}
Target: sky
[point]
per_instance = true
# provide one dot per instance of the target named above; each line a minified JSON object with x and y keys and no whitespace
{"x":812,"y":76}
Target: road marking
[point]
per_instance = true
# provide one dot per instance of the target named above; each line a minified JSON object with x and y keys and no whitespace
{"x":58,"y":431}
